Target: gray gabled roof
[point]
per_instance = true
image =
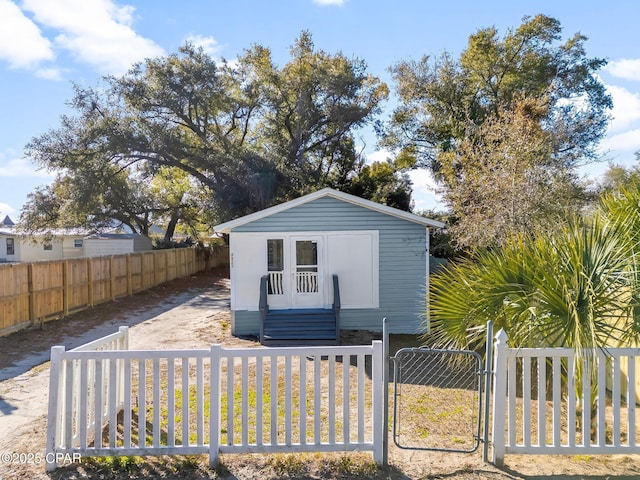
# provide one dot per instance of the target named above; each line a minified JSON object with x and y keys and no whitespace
{"x":327,"y":192}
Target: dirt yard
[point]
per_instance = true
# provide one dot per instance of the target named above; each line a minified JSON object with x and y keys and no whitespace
{"x":194,"y":313}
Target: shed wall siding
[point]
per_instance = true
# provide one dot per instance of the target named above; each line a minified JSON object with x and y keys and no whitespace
{"x":100,"y":247}
{"x":402,"y":257}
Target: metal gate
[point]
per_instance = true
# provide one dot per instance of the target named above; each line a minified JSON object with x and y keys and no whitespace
{"x":437,"y":399}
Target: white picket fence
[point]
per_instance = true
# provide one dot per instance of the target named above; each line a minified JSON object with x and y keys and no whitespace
{"x":559,"y":420}
{"x":218,"y":400}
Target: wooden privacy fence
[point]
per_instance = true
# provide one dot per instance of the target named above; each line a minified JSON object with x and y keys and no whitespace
{"x":218,"y":400}
{"x":543,"y":401}
{"x":32,"y":293}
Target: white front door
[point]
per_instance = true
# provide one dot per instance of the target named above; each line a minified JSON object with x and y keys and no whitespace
{"x":306,"y":275}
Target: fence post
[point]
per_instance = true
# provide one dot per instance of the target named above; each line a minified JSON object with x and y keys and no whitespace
{"x":66,"y":285}
{"x":385,"y":391}
{"x":214,"y":406}
{"x":90,"y":280}
{"x":53,"y":417}
{"x":377,"y":367}
{"x":32,"y":294}
{"x":488,"y":363}
{"x":124,"y":345}
{"x":112,"y":278}
{"x":499,"y":398}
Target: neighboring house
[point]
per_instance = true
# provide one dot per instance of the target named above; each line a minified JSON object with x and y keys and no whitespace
{"x":380,"y":256}
{"x":64,"y":243}
{"x":115,"y":244}
{"x":58,"y":244}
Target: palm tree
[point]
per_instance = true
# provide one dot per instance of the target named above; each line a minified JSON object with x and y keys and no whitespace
{"x":570,"y":288}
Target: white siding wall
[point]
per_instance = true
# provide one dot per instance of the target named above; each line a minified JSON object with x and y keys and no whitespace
{"x":69,"y":250}
{"x":28,"y":251}
{"x":97,"y":247}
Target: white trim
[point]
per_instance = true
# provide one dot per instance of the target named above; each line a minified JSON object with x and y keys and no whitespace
{"x":323,"y":265}
{"x":327,"y":192}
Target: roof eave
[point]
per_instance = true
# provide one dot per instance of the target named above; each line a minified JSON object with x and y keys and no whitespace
{"x":326,"y":192}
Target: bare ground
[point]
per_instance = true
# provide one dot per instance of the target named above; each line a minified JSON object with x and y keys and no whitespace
{"x":194,"y":313}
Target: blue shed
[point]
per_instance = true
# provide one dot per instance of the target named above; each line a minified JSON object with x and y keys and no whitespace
{"x":304,"y":269}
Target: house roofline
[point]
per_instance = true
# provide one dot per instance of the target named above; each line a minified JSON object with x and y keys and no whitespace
{"x":327,"y":192}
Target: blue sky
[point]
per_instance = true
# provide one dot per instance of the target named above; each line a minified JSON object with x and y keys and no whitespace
{"x":47,"y":44}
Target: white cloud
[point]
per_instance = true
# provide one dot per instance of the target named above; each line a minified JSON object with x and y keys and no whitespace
{"x":49,"y":73}
{"x":629,"y":69}
{"x":627,"y":141}
{"x":379,"y":156}
{"x":330,"y":2}
{"x":626,"y":107}
{"x":6,"y":209}
{"x":209,"y":44}
{"x":97,"y":32}
{"x":21,"y":42}
{"x":20,"y":167}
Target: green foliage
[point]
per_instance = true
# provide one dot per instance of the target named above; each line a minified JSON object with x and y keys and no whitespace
{"x":571,"y":288}
{"x":507,"y":122}
{"x":200,"y":141}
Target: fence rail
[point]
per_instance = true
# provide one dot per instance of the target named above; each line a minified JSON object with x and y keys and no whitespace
{"x":567,"y":404}
{"x":288,"y":399}
{"x":32,"y":293}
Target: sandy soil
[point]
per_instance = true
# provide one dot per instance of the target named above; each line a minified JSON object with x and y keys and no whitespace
{"x":194,"y":313}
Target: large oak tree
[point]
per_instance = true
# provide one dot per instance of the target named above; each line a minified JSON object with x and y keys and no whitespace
{"x":248,"y":133}
{"x":454,"y":117}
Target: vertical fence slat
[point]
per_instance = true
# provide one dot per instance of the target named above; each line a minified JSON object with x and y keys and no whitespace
{"x":68,"y":404}
{"x":361,"y":395}
{"x":156,"y":402}
{"x":571,"y":400}
{"x":287,"y":400}
{"x":185,"y":401}
{"x":303,"y":400}
{"x":214,"y":405}
{"x":615,"y":400}
{"x":112,"y":407}
{"x":526,"y":401}
{"x":542,"y":400}
{"x":274,"y":400}
{"x":142,"y":402}
{"x":97,"y":430}
{"x":556,"y":405}
{"x":602,"y":398}
{"x":346,"y":395}
{"x":82,"y":407}
{"x":631,"y":401}
{"x":245,"y":401}
{"x":587,"y":363}
{"x":511,"y":391}
{"x":230,"y":398}
{"x":200,"y":400}
{"x":332,"y":399}
{"x":127,"y":404}
{"x":171,"y":402}
{"x":317,"y":360}
{"x":259,"y":396}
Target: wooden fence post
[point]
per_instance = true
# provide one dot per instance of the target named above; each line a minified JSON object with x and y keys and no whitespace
{"x":65,"y":287}
{"x":53,"y":417}
{"x":32,"y":294}
{"x":499,"y":398}
{"x":90,"y":280}
{"x":129,"y":284}
{"x":214,"y":406}
{"x":112,"y":278}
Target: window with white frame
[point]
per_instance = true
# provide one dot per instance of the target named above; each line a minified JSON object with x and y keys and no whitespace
{"x":77,"y":243}
{"x":48,"y":246}
{"x":11,"y":246}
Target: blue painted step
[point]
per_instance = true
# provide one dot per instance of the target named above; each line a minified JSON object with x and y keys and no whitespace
{"x":300,"y":327}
